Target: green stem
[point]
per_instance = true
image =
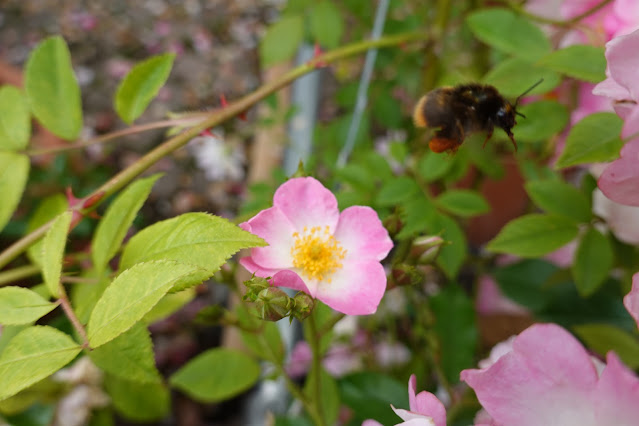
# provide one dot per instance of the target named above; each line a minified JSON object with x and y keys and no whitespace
{"x":70,"y":313}
{"x":15,"y":274}
{"x":316,"y":369}
{"x":213,"y":119}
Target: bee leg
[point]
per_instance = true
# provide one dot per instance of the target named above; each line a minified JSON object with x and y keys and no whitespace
{"x":512,"y":139}
{"x":488,"y":136}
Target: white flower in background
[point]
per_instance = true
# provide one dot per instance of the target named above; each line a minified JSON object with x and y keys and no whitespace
{"x":219,"y":160}
{"x":85,"y":395}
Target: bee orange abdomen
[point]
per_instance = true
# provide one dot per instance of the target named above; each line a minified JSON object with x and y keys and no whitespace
{"x":419,"y":115}
{"x":441,"y":145}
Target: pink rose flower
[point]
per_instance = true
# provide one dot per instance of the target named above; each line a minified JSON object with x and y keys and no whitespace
{"x":332,"y":256}
{"x":549,"y":379}
{"x":620,"y":180}
{"x":631,"y":301}
{"x":425,"y":409}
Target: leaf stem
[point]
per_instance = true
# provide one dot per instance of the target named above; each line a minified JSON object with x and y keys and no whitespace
{"x":316,"y":369}
{"x":70,"y":313}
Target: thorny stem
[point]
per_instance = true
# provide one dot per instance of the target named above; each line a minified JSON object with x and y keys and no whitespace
{"x":190,"y":120}
{"x":292,"y":387}
{"x":213,"y":119}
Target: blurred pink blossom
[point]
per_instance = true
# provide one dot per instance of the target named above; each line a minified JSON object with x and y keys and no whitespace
{"x":490,"y":299}
{"x":631,"y":301}
{"x":332,"y":256}
{"x":549,"y":379}
{"x":425,"y":409}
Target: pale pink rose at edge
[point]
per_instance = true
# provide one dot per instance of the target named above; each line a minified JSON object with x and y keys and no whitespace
{"x":549,"y":378}
{"x":631,"y":301}
{"x":620,"y":180}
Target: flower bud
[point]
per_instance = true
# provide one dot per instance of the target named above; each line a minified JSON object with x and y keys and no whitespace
{"x":303,"y":305}
{"x":273,"y":304}
{"x":426,"y":249}
{"x":254,"y":287}
{"x":403,"y":274}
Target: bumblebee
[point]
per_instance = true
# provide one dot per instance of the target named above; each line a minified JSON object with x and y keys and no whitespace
{"x":461,"y":110}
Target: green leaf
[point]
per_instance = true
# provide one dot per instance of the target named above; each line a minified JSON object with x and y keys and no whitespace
{"x":196,"y":238}
{"x":507,"y":77}
{"x":261,"y":337}
{"x":544,"y":119}
{"x":129,"y":356}
{"x":20,"y":305}
{"x":329,"y":395}
{"x":53,"y":251}
{"x":368,"y":394}
{"x":452,"y":255}
{"x":524,"y":281}
{"x":456,"y":330}
{"x":560,"y":198}
{"x":281,"y":40}
{"x":118,"y":218}
{"x":140,"y":402}
{"x":462,"y":202}
{"x":141,"y":85}
{"x":593,"y":139}
{"x":433,"y":166}
{"x":579,"y":61}
{"x":566,"y":307}
{"x":52,"y":88}
{"x":510,"y":33}
{"x":169,"y":304}
{"x":84,"y":296}
{"x":415,"y":214}
{"x":33,"y":354}
{"x":326,"y":24}
{"x":131,"y":295}
{"x":534,"y":235}
{"x":593,"y":260}
{"x":216,"y":375}
{"x":602,"y":338}
{"x":15,"y":119}
{"x":397,"y":190}
{"x":49,"y":208}
{"x":14,"y":171}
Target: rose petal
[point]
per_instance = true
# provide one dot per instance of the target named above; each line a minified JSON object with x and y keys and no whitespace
{"x":272,"y":226}
{"x":362,"y":234}
{"x":412,"y":419}
{"x":307,"y":203}
{"x":289,"y":279}
{"x":631,"y":300}
{"x":611,"y":89}
{"x":617,"y":395}
{"x":620,"y":180}
{"x":622,"y":220}
{"x":426,"y":403}
{"x":546,"y":379}
{"x":371,"y":422}
{"x":355,"y":289}
{"x":623,"y":61}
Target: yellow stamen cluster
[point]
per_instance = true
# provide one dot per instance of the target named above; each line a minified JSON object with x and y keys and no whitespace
{"x":317,"y":254}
